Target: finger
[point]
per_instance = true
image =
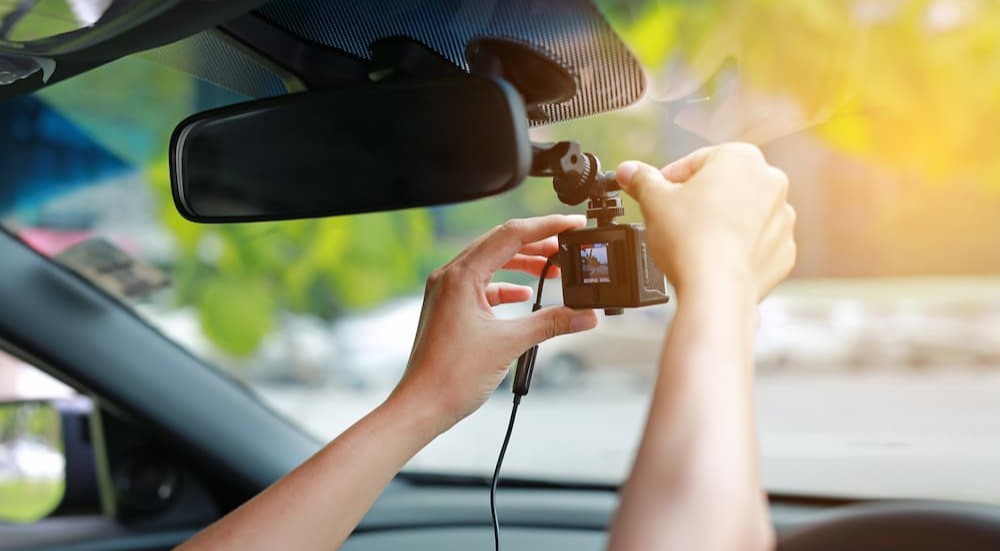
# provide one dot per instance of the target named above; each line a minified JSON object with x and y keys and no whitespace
{"x":779,"y":227}
{"x":782,"y":265}
{"x":545,"y":247}
{"x":684,"y":168}
{"x":639,"y":179}
{"x":776,"y":250}
{"x":781,"y":180}
{"x":500,"y":245}
{"x":531,"y":265}
{"x":550,"y":322}
{"x":504,"y":293}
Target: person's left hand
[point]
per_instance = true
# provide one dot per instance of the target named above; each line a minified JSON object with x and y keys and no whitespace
{"x":462,"y":351}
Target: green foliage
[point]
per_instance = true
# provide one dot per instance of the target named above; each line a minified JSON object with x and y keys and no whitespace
{"x":24,"y":501}
{"x":46,"y":19}
{"x":7,"y":413}
{"x":240,"y":277}
{"x":21,"y":499}
{"x":130,"y":106}
{"x":38,"y":420}
{"x":885,"y":90}
{"x":236,"y":312}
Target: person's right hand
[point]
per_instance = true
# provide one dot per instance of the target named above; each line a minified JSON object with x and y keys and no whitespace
{"x":462,"y":351}
{"x":720,"y":209}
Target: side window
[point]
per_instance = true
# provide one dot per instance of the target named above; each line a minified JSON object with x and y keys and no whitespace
{"x":33,"y":462}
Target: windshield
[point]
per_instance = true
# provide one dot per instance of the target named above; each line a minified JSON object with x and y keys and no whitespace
{"x":878,"y":362}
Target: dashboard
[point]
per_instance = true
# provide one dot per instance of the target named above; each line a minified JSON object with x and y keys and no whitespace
{"x":446,"y":519}
{"x":448,"y":539}
{"x":452,"y":518}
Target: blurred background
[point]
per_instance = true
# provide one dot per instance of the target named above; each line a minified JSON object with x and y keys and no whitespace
{"x":878,"y":362}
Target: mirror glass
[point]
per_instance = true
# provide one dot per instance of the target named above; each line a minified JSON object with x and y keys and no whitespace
{"x":378,"y":147}
{"x":32,"y":464}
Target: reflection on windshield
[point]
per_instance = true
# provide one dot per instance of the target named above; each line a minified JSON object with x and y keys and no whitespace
{"x":881,"y":355}
{"x":28,"y":20}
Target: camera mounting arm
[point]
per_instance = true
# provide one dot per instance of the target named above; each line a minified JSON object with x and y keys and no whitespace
{"x":577,"y":177}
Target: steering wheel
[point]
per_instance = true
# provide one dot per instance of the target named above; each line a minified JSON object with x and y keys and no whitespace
{"x":901,"y":526}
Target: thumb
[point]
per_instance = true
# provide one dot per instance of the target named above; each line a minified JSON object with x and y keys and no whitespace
{"x":683,"y":169}
{"x":550,"y":322}
{"x":639,"y":179}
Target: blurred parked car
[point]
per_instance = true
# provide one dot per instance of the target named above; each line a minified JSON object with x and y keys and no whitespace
{"x":300,"y":350}
{"x":630,"y":342}
{"x":373,"y":347}
{"x":809,"y":334}
{"x":934,"y":336}
{"x":986,"y":339}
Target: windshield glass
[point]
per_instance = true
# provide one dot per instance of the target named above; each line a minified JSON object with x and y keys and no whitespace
{"x":878,"y":362}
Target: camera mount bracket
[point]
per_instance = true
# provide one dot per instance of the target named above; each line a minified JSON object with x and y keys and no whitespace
{"x":577,"y":177}
{"x":605,"y":208}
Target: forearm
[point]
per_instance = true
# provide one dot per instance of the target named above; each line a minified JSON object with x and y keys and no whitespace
{"x":318,"y":504}
{"x":460,"y":355}
{"x":695,"y":481}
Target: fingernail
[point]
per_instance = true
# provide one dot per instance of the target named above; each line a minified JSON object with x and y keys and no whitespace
{"x":579,"y":322}
{"x":625,"y":172}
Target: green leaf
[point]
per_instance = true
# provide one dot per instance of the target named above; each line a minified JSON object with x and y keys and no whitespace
{"x":236,"y":312}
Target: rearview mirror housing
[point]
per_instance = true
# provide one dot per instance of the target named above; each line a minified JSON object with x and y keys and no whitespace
{"x":376,"y":147}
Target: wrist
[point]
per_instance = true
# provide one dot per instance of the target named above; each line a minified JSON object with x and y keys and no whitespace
{"x":733,"y":279}
{"x":423,"y":410}
{"x":720,"y":287}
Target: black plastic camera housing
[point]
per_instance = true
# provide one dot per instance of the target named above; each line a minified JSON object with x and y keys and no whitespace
{"x":609,"y":267}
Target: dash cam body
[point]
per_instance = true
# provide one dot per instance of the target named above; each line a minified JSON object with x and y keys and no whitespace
{"x":605,"y":266}
{"x":609,"y":267}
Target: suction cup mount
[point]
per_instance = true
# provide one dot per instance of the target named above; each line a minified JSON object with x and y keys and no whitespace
{"x":537,"y":74}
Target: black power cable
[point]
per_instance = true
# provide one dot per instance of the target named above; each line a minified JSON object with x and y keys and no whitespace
{"x":496,"y":474}
{"x":522,"y":380}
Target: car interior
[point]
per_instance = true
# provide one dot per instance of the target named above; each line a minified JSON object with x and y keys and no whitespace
{"x":157,"y":443}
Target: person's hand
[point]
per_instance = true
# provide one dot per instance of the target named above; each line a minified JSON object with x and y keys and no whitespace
{"x":721,"y":210}
{"x":462,"y":351}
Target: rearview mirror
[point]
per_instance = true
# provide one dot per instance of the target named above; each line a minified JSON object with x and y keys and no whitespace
{"x":382,"y":146}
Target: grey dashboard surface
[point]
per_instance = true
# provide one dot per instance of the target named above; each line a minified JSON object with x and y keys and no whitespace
{"x":452,"y":518}
{"x":875,"y":526}
{"x":437,"y":510}
{"x":466,"y":538}
{"x":429,"y":506}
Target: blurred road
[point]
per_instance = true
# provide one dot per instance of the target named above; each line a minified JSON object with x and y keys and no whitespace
{"x":898,"y":434}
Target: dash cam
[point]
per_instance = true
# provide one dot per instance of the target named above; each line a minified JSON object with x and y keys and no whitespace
{"x":607,"y":265}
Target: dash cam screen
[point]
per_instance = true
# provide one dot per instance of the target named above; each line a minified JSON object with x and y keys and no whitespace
{"x":594,"y":263}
